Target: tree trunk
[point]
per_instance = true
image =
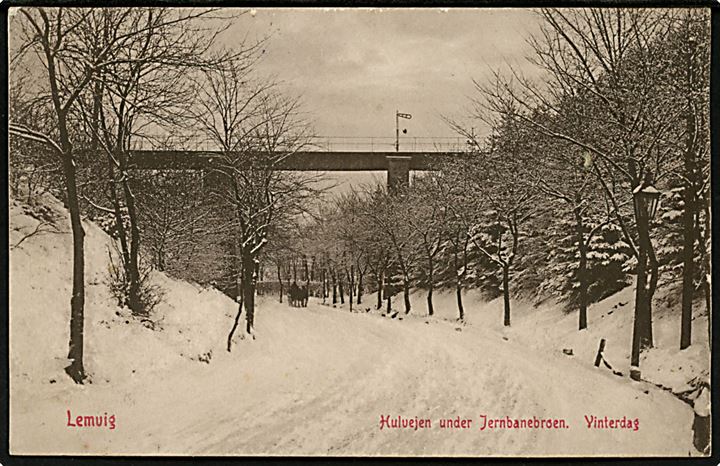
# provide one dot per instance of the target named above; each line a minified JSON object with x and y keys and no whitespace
{"x":237,"y":262}
{"x":135,"y":302}
{"x":360,"y":288}
{"x":161,"y":260}
{"x":323,"y":274}
{"x":351,"y":278}
{"x":256,"y":275}
{"x":279,"y":275}
{"x":406,"y":283}
{"x":334,"y":287}
{"x":248,"y":282}
{"x":341,"y":289}
{"x":582,"y":270}
{"x":708,"y":271}
{"x":458,"y":284}
{"x":430,"y":286}
{"x":119,"y":224}
{"x":406,"y":293}
{"x":688,"y":287}
{"x":643,"y":293}
{"x":689,"y":213}
{"x":380,"y":286}
{"x":76,"y":369}
{"x":237,"y":316}
{"x":458,"y":292}
{"x":506,"y":294}
{"x":652,"y":286}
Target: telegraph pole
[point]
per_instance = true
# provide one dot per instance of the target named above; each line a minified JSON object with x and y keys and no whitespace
{"x":397,"y":131}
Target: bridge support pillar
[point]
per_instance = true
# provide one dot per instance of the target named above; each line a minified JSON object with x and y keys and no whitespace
{"x":398,"y":176}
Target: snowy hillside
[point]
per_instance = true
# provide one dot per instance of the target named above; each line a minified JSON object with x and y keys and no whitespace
{"x":315,"y":381}
{"x":546,"y":328}
{"x":190,"y":323}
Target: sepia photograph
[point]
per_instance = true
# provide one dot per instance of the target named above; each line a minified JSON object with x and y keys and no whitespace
{"x":359,"y":232}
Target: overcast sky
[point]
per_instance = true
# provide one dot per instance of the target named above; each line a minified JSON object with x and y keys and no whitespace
{"x":354,"y":68}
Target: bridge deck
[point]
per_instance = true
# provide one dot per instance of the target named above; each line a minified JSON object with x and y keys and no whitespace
{"x":306,"y":161}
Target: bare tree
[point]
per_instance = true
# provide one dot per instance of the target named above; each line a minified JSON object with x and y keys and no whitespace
{"x":689,"y":48}
{"x":427,"y":222}
{"x":450,"y":188}
{"x":390,"y":214}
{"x":255,"y":128}
{"x":57,"y":37}
{"x":506,"y":200}
{"x":563,"y":174}
{"x":144,"y":89}
{"x":348,"y":235}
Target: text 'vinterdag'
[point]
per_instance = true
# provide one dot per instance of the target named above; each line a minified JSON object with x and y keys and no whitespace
{"x":506,"y":422}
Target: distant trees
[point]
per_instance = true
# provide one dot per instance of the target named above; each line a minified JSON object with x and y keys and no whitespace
{"x":467,"y":204}
{"x":173,"y":219}
{"x":348,"y":233}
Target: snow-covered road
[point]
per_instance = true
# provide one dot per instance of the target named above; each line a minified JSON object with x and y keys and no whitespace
{"x":317,"y":380}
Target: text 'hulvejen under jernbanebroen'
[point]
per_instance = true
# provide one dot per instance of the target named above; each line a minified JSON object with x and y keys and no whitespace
{"x":506,"y":422}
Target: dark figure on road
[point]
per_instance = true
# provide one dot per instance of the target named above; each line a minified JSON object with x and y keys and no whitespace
{"x":298,"y":297}
{"x":294,"y":295}
{"x":303,"y":296}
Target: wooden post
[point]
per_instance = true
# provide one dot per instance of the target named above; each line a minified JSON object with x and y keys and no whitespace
{"x":601,"y":348}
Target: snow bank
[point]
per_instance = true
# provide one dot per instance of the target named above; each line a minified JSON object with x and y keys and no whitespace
{"x":191,"y":321}
{"x":547,"y":328}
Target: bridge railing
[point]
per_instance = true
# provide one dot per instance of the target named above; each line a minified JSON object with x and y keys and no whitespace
{"x":387,"y":144}
{"x":174,"y":142}
{"x":314,"y":144}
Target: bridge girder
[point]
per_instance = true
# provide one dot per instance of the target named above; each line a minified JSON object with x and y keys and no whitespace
{"x":305,"y":161}
{"x":397,"y":164}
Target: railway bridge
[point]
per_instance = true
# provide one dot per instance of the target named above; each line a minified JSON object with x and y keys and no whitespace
{"x":320,"y":154}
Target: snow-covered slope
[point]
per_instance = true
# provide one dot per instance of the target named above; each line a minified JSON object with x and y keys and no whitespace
{"x":189,"y":322}
{"x":546,"y":328}
{"x":315,"y":381}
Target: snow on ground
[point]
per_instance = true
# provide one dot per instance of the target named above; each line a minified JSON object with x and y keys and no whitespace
{"x":315,"y":381}
{"x":546,"y":328}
